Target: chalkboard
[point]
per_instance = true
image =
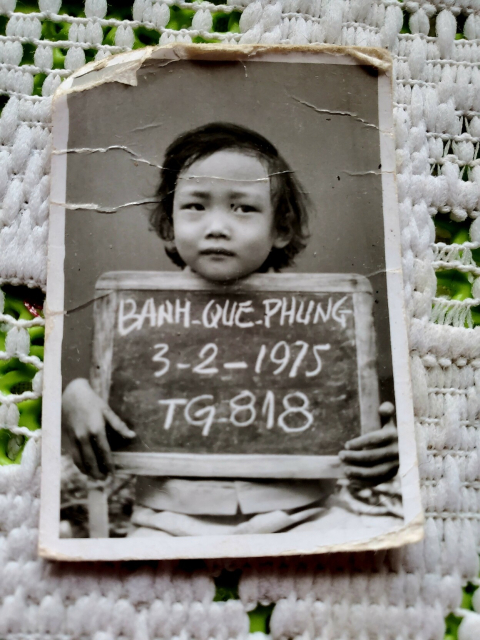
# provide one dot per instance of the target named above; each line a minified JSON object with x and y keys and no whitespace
{"x":264,"y":378}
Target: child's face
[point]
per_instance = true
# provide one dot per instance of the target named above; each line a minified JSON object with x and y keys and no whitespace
{"x":223,"y":219}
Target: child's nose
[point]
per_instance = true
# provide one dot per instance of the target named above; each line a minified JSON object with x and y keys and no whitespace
{"x":217,"y":225}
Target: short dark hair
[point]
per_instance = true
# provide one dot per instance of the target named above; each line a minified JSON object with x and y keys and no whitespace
{"x":288,"y":198}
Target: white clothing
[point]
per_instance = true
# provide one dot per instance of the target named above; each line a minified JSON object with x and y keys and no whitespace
{"x":228,"y":497}
{"x":181,"y":507}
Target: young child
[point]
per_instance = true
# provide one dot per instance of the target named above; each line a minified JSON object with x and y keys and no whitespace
{"x":229,"y":206}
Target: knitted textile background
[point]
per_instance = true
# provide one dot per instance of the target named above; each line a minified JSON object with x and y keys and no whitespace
{"x":396,"y":595}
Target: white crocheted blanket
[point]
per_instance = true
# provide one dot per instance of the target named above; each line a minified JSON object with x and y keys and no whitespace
{"x":398,"y":595}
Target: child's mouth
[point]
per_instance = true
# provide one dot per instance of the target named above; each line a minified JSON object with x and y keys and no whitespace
{"x":217,"y":252}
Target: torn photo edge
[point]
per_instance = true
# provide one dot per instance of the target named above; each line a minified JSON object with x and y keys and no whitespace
{"x":123,"y":68}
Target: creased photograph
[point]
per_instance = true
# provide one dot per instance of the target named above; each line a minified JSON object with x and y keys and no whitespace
{"x":226,"y":368}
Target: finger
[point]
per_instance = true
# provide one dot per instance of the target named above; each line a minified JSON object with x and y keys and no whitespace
{"x":77,"y":459}
{"x":102,"y":452}
{"x":116,"y":423}
{"x":89,"y":460}
{"x":369,"y":457}
{"x":373,"y":481}
{"x":386,"y":410}
{"x":374,"y":438}
{"x":71,"y":446}
{"x":377,"y":473}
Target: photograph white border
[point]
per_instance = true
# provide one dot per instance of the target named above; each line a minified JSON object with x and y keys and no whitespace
{"x":123,"y":68}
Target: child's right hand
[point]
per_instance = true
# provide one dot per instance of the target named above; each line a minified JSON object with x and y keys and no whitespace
{"x":84,"y":415}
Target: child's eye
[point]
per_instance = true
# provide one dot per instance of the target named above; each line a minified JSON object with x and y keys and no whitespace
{"x":193,"y":206}
{"x":244,"y":208}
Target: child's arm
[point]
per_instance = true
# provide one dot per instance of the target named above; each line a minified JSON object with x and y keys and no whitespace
{"x":84,"y":415}
{"x":373,"y":458}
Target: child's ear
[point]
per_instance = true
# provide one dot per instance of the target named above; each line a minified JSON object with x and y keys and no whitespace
{"x":281,"y":240}
{"x":169,"y":245}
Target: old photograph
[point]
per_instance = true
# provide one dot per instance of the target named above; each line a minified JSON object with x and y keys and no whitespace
{"x":227,"y":367}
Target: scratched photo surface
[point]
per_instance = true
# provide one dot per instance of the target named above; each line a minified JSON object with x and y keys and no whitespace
{"x":243,"y":398}
{"x":323,"y":119}
{"x":203,"y":361}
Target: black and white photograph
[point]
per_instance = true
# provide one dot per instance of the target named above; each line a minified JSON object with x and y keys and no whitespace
{"x":226,"y":366}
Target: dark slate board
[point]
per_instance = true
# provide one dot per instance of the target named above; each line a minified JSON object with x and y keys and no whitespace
{"x":220,"y":362}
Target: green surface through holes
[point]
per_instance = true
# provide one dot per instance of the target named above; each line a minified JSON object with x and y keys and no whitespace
{"x":452,"y":621}
{"x":226,"y":588}
{"x":23,"y":303}
{"x":15,"y":376}
{"x":54,"y":29}
{"x":453,"y":284}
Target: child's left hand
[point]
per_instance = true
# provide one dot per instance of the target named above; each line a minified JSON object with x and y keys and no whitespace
{"x":373,"y":457}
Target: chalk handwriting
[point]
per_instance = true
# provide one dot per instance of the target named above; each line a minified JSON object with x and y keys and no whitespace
{"x":129,"y":319}
{"x":196,"y":420}
{"x":220,"y":357}
{"x":158,"y":357}
{"x":280,"y":354}
{"x":201,"y":411}
{"x":247,"y":407}
{"x":211,"y":349}
{"x":282,"y":312}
